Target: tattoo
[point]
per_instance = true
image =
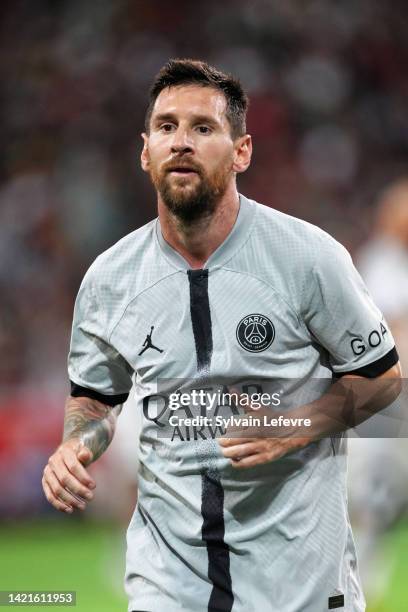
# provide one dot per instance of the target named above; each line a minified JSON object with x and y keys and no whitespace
{"x":91,"y":421}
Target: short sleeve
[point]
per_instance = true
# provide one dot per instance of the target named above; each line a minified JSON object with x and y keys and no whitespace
{"x":341,"y":315}
{"x":95,"y":368}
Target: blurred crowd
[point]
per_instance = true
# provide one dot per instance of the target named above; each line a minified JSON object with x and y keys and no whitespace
{"x":328,"y":89}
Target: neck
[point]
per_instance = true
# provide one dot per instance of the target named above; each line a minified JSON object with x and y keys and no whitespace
{"x":197,"y":241}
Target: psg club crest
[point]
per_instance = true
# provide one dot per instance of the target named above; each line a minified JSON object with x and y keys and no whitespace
{"x":255,"y":333}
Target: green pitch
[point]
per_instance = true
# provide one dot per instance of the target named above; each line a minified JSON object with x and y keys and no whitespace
{"x":86,"y":557}
{"x":396,"y":597}
{"x":65,"y":554}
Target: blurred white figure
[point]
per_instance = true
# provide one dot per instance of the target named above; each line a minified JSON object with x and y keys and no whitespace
{"x":378,"y":468}
{"x":384,"y":262}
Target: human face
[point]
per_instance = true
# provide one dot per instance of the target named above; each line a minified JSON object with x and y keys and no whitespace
{"x":189,"y":152}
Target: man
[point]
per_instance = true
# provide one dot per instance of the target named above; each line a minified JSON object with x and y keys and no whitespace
{"x":237,"y":291}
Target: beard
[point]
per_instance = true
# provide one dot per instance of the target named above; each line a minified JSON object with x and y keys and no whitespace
{"x":191,"y":199}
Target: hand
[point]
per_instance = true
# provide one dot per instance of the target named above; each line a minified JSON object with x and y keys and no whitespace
{"x":263,"y":446}
{"x":248,"y":452}
{"x":65,"y":481}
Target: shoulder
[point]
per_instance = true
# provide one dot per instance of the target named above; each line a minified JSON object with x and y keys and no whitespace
{"x":294,"y":242}
{"x":126,"y":252}
{"x":277,"y":222}
{"x":127,"y":268}
{"x":284,"y":252}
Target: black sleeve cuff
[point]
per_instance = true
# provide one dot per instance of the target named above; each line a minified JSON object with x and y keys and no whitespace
{"x":110,"y":400}
{"x":372,"y":370}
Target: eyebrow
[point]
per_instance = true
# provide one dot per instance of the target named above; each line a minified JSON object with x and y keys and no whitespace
{"x":196,"y":119}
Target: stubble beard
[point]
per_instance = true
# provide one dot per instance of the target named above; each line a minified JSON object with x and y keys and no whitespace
{"x":188,"y":203}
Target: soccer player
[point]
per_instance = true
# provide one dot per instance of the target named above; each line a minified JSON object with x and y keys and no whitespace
{"x":221,"y":286}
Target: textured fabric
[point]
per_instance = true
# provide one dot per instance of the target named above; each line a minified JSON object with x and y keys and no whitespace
{"x":287,"y":533}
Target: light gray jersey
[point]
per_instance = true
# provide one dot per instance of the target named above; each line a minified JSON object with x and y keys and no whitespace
{"x":279,"y":299}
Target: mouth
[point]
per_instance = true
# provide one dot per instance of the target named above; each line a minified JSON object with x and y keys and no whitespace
{"x":182,"y":171}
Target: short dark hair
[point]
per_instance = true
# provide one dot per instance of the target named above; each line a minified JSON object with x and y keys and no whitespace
{"x":193,"y":72}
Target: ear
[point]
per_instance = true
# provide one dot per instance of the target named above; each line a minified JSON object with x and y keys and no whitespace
{"x":242,"y":153}
{"x":145,"y":156}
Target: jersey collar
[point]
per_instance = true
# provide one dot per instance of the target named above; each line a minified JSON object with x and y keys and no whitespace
{"x":232,"y":243}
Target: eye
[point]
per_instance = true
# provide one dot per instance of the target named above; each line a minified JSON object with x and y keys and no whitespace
{"x":204,"y":129}
{"x":166,"y":127}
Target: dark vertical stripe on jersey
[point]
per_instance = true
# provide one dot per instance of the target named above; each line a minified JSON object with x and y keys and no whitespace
{"x":213,"y":531}
{"x":201,"y":317}
{"x":212,"y":493}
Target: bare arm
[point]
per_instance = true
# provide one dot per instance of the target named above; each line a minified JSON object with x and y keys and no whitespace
{"x":89,"y":426}
{"x":352,"y":400}
{"x":349,"y":402}
{"x":91,"y":422}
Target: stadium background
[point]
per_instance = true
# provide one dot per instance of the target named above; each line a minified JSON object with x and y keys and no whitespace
{"x":329,"y":99}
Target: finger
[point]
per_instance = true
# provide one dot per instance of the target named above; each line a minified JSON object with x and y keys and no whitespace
{"x":61,"y":471}
{"x":233,"y":441}
{"x":251,"y":461}
{"x":84,"y":455}
{"x":55,"y":501}
{"x":61,"y":493}
{"x":266,"y":454}
{"x":70,"y":459}
{"x":68,"y":481}
{"x":71,"y":467}
{"x":240,"y":450}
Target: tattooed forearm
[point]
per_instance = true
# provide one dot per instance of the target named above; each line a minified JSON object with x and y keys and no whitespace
{"x":91,"y":421}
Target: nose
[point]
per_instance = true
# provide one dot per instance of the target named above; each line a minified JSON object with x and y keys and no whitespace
{"x":182,"y":142}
